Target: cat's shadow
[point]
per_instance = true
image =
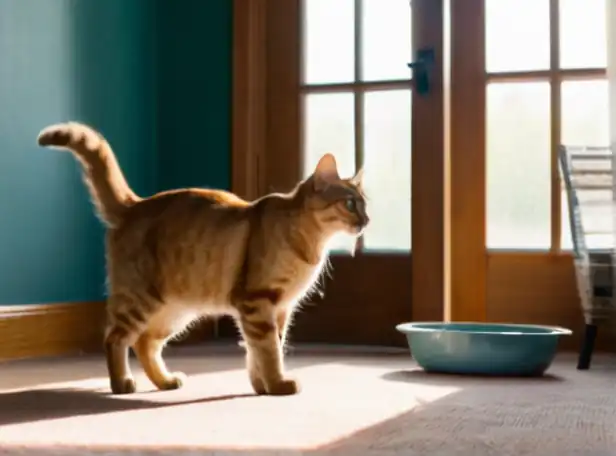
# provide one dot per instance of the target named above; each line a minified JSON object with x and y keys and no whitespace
{"x":45,"y":404}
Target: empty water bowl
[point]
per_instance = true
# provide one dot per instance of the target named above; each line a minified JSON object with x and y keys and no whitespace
{"x":483,"y":348}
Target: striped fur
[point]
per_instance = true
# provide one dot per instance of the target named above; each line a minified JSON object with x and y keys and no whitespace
{"x":186,"y":254}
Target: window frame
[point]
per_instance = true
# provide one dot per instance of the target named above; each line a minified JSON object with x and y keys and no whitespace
{"x":555,"y":76}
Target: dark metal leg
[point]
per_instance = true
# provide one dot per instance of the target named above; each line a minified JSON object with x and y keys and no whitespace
{"x":588,"y":346}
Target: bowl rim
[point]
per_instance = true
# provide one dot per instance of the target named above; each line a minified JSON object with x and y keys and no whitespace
{"x":416,"y":327}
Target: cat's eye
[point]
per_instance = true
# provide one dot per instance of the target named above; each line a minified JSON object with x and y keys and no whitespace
{"x":350,"y":204}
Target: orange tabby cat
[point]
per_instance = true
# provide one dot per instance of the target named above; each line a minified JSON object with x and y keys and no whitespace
{"x":184,"y":254}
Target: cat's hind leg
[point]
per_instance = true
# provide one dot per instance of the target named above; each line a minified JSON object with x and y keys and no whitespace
{"x":123,"y":327}
{"x":116,"y":354}
{"x":149,"y":348}
{"x":127,"y":318}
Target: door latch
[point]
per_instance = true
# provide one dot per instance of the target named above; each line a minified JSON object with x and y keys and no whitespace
{"x":422,"y":70}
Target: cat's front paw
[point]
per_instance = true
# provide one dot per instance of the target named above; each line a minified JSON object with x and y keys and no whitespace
{"x":175,"y":381}
{"x":257,"y":383}
{"x":123,"y":386}
{"x":284,"y":387}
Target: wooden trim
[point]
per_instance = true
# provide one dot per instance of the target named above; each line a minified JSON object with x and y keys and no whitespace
{"x":36,"y":330}
{"x":468,"y":161}
{"x":358,"y":86}
{"x":430,"y":183}
{"x":544,"y":75}
{"x":547,"y":255}
{"x":284,"y":77}
{"x":358,"y":99}
{"x":51,"y":329}
{"x":555,"y":125}
{"x":249,"y":92}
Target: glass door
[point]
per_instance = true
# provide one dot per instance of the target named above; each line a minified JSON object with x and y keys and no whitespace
{"x":545,"y":85}
{"x":527,"y":75}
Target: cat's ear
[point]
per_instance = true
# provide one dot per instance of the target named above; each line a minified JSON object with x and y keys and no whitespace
{"x":358,"y":178}
{"x":326,"y":172}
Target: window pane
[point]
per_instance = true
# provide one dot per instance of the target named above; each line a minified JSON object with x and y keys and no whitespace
{"x":585,"y":113}
{"x":583,"y":41}
{"x":329,"y":43}
{"x":387,"y":169}
{"x":585,"y":122}
{"x":518,"y":165}
{"x":386,"y":39}
{"x":329,"y":127}
{"x":517,"y":35}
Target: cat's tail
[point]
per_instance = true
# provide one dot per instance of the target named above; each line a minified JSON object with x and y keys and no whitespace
{"x":102,"y":174}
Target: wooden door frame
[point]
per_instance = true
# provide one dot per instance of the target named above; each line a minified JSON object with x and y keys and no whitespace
{"x":467,"y":165}
{"x":431,"y":229}
{"x":249,"y":96}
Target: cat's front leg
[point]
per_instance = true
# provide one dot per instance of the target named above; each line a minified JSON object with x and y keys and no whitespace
{"x":283,"y":320}
{"x":264,"y":357}
{"x":254,"y":374}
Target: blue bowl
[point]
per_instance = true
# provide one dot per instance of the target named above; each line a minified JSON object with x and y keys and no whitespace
{"x":483,"y":348}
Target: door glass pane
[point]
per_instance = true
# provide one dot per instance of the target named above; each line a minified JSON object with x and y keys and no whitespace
{"x":387,"y":169}
{"x":583,"y":41}
{"x":329,"y":127}
{"x":585,"y":113}
{"x":585,"y":122}
{"x":386,"y":39}
{"x":517,"y":35}
{"x":518,"y":165}
{"x":329,"y":42}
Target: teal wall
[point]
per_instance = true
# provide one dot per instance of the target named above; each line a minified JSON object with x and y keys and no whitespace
{"x":105,"y":62}
{"x":194,"y":80}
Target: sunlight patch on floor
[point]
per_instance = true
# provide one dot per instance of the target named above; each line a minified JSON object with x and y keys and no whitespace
{"x":338,"y":399}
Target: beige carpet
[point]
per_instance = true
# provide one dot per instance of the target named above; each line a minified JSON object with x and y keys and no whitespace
{"x":377,"y":405}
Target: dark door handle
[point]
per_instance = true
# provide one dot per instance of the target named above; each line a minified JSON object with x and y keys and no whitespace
{"x":422,"y":70}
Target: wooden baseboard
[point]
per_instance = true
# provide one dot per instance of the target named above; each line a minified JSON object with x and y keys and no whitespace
{"x":35,"y":330}
{"x":32,"y":331}
{"x":51,"y":329}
